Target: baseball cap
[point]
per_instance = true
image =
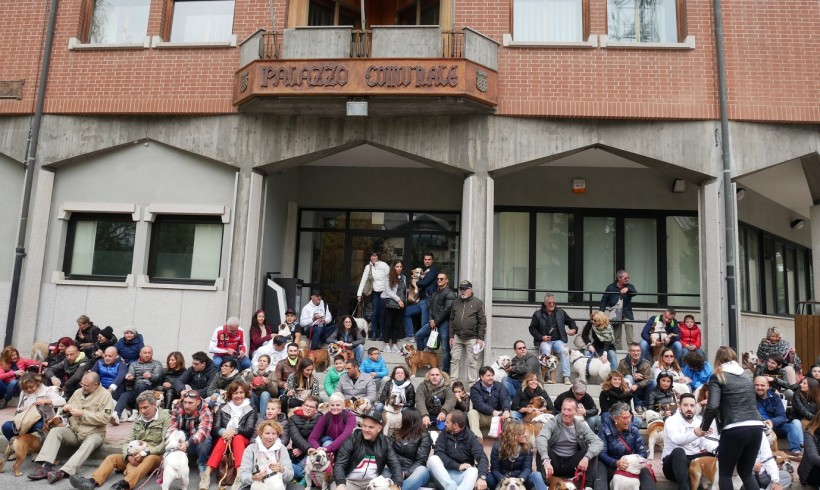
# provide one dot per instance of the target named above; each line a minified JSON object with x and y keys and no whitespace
{"x":373,"y":414}
{"x":290,"y":312}
{"x":465,"y":284}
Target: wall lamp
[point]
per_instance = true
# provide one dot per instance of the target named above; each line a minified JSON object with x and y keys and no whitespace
{"x":679,"y":185}
{"x":798,"y":224}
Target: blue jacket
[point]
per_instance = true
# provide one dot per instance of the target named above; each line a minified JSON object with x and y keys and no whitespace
{"x":771,"y":408}
{"x":672,"y":328}
{"x":113,"y":374}
{"x":130,"y":351}
{"x":612,"y":294}
{"x":379,"y":367}
{"x":698,"y":378}
{"x":486,"y":403}
{"x":428,"y":285}
{"x":614,"y":449}
{"x":500,"y":469}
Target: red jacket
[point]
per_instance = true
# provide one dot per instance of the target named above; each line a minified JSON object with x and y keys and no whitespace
{"x":22,"y":363}
{"x":222,"y":340}
{"x":689,"y":335}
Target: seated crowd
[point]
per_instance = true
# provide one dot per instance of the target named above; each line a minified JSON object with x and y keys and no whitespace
{"x":263,"y":406}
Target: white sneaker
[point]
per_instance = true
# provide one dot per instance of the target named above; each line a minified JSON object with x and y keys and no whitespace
{"x":115,"y":419}
{"x":125,"y":414}
{"x":133,"y":416}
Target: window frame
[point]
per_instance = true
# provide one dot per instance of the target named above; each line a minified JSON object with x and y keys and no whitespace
{"x":68,"y":251}
{"x":168,"y":22}
{"x":585,"y":24}
{"x":181,"y":219}
{"x":87,"y":9}
{"x":681,"y":29}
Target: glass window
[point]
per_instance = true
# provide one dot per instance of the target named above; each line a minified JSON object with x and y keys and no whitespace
{"x":750,"y":274}
{"x":202,"y":21}
{"x":378,"y":220}
{"x":511,"y":249}
{"x":332,"y":13}
{"x":791,"y":283}
{"x":641,"y":256}
{"x":643,"y":21}
{"x":769,"y":274}
{"x":99,"y":246}
{"x":599,"y":253}
{"x":552,"y":254}
{"x":119,"y":21}
{"x":802,"y":286}
{"x":185,"y":248}
{"x":682,"y":260}
{"x":548,"y":20}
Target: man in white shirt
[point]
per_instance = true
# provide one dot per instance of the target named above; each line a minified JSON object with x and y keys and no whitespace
{"x":681,"y":445}
{"x":316,"y":320}
{"x":766,"y":470}
{"x":274,"y":348}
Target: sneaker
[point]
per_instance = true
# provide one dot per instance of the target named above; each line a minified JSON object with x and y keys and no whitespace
{"x":567,"y":381}
{"x":115,"y":420}
{"x":121,"y":485}
{"x":41,"y":473}
{"x":82,"y":483}
{"x":640,"y":409}
{"x":56,"y":475}
{"x":133,"y":416}
{"x":795,"y":454}
{"x":204,"y":480}
{"x":408,"y":340}
{"x":125,"y":414}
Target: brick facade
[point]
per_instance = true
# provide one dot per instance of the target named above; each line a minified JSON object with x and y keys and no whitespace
{"x":772,"y":54}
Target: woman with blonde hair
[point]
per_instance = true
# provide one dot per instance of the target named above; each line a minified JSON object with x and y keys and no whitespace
{"x":530,"y":388}
{"x":511,"y":457}
{"x":599,"y":338}
{"x":265,"y":457}
{"x":12,"y":367}
{"x":732,"y":396}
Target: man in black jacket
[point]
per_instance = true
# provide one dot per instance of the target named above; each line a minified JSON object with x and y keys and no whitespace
{"x":441,"y":303}
{"x":620,"y":290}
{"x":586,"y":407}
{"x":549,"y":328}
{"x":459,"y":459}
{"x":521,"y":365}
{"x":300,"y":425}
{"x":198,"y":376}
{"x":490,"y":399}
{"x":364,"y":455}
{"x":68,"y":373}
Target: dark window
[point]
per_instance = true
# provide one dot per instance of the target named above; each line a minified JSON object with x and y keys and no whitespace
{"x":99,"y":247}
{"x":332,"y":13}
{"x":185,"y":249}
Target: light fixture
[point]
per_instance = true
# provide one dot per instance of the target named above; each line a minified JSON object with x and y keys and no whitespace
{"x":741,"y":193}
{"x":679,"y":185}
{"x":579,"y":186}
{"x":357,"y":108}
{"x":798,"y":224}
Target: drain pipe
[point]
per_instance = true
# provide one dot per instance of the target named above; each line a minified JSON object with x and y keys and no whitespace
{"x":730,"y":220}
{"x":31,"y":166}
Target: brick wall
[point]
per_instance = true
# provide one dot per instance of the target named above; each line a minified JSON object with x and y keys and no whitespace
{"x":772,"y":49}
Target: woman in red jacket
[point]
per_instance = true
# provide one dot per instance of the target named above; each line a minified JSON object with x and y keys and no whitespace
{"x":12,"y":366}
{"x":260,"y":331}
{"x":690,"y":337}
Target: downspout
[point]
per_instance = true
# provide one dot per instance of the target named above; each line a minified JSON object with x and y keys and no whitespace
{"x":31,"y":162}
{"x":730,"y":220}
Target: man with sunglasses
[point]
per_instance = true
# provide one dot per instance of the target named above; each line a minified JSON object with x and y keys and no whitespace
{"x":193,"y":417}
{"x":441,"y":303}
{"x":620,"y":291}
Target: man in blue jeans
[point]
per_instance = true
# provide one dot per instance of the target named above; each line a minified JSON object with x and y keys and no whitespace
{"x":665,"y":323}
{"x":193,"y":417}
{"x":427,"y":286}
{"x":441,"y":303}
{"x":771,"y":408}
{"x":638,"y":373}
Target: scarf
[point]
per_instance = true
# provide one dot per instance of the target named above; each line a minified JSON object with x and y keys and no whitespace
{"x":604,"y":334}
{"x":272,"y":452}
{"x":236,"y":413}
{"x":400,"y":388}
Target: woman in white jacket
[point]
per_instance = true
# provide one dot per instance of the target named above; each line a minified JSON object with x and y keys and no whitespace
{"x":266,"y":458}
{"x":376,"y":272}
{"x":34,"y":392}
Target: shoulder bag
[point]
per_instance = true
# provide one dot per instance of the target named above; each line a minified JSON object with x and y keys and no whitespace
{"x":368,"y":285}
{"x":26,"y":419}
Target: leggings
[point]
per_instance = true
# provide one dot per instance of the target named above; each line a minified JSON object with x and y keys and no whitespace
{"x":739,"y":447}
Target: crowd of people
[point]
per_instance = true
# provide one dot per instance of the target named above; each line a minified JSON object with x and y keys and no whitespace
{"x":259,"y":399}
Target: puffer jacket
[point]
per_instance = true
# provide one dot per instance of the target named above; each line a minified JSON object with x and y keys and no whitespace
{"x":467,"y":319}
{"x":247,"y":423}
{"x":112,"y":375}
{"x":356,"y":448}
{"x":614,"y":447}
{"x":299,"y":429}
{"x":412,"y":453}
{"x":130,"y":350}
{"x":153,"y":433}
{"x":139,"y":368}
{"x":22,"y":363}
{"x":198,"y":380}
{"x":409,"y":393}
{"x":733,"y":398}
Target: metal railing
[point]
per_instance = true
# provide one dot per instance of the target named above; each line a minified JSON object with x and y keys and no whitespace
{"x":270,"y":45}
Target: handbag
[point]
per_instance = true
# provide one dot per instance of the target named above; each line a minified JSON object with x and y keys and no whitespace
{"x":25,"y":420}
{"x":391,"y":304}
{"x":368,"y":285}
{"x":495,"y":428}
{"x":615,"y":312}
{"x":433,"y":341}
{"x":226,"y":472}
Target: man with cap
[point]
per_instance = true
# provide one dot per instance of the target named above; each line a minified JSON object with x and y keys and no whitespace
{"x":316,"y":320}
{"x":229,"y":341}
{"x":468,"y":325}
{"x":290,"y":328}
{"x":586,"y":405}
{"x":364,"y":455}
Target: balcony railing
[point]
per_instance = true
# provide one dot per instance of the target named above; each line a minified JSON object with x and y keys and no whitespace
{"x":270,"y":44}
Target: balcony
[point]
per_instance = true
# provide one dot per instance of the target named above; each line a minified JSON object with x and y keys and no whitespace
{"x":408,"y":70}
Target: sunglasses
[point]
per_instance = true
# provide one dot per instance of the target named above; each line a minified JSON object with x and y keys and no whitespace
{"x":193,"y":396}
{"x":441,"y":278}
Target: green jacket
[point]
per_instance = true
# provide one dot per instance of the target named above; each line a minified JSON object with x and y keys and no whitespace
{"x":153,"y":433}
{"x":331,"y":380}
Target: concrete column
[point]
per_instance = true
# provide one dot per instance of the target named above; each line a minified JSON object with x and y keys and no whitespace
{"x":289,"y":243}
{"x":253,"y":238}
{"x":713,"y":306}
{"x":476,"y":259}
{"x":814,"y":216}
{"x":28,"y":302}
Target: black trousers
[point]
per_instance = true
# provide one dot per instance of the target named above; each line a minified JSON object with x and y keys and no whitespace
{"x":565,"y":467}
{"x":676,"y":467}
{"x":739,"y":447}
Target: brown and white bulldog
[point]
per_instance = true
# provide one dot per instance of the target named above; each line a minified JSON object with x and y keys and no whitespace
{"x":549,"y":367}
{"x":703,"y":473}
{"x":318,"y":469}
{"x":392,"y":412}
{"x":416,"y":359}
{"x":511,"y":484}
{"x":26,"y":444}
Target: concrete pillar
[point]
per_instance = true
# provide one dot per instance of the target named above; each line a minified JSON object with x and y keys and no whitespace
{"x":714,"y":315}
{"x":28,"y":301}
{"x":253,"y":237}
{"x":239,"y":230}
{"x":476,"y":259}
{"x":814,"y":216}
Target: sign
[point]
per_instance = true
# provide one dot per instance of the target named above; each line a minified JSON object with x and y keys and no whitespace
{"x":11,"y":89}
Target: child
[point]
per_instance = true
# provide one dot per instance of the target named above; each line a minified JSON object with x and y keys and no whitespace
{"x":374,"y":366}
{"x":274,"y":412}
{"x":690,"y":336}
{"x":696,"y":368}
{"x":462,"y":397}
{"x":662,"y":399}
{"x":332,"y":377}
